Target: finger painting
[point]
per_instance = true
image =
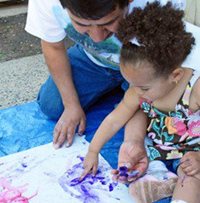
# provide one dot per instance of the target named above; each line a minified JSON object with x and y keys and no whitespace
{"x":43,"y":174}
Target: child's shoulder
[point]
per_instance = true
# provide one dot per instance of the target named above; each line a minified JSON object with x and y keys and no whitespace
{"x":196,"y":87}
{"x":131,"y":95}
{"x":196,"y":93}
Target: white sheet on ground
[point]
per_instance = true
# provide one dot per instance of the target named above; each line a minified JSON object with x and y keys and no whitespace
{"x":43,"y":174}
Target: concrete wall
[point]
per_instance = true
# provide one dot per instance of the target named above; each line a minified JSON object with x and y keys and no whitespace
{"x":192,"y":12}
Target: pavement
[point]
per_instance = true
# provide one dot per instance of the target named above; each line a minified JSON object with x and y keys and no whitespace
{"x":20,"y":78}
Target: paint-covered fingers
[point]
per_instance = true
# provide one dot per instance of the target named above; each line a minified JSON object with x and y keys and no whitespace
{"x":133,"y":175}
{"x":129,"y":172}
{"x":124,"y":175}
{"x":116,"y":176}
{"x":115,"y":173}
{"x":90,"y":164}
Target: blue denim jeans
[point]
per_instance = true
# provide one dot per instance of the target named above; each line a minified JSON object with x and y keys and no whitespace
{"x":91,"y":82}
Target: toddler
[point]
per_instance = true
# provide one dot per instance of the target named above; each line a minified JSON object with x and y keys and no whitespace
{"x":155,"y":44}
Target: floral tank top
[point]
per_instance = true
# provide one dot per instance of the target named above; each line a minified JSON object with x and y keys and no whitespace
{"x":176,"y":132}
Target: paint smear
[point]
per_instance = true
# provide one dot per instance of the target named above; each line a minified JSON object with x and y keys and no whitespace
{"x":85,"y":190}
{"x":11,"y":194}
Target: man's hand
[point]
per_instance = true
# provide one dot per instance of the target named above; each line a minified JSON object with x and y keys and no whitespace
{"x":71,"y":119}
{"x":90,"y":164}
{"x":133,"y":156}
{"x":190,"y":163}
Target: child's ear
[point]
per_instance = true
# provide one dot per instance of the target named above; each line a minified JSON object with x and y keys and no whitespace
{"x":176,"y":75}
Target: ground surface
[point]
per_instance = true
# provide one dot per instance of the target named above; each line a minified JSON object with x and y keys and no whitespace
{"x":22,"y":67}
{"x":14,"y":41}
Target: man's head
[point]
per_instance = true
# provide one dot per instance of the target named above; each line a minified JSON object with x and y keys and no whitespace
{"x":93,"y":9}
{"x":97,"y":18}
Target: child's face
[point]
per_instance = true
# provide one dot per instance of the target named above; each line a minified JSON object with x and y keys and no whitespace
{"x":143,"y":78}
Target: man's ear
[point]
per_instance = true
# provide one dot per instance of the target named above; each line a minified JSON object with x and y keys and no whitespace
{"x":130,"y":1}
{"x":176,"y":75}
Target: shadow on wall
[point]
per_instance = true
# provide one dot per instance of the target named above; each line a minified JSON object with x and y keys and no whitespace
{"x":192,"y":12}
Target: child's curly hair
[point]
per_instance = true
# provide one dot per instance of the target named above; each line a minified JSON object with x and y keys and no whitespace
{"x":161,"y":33}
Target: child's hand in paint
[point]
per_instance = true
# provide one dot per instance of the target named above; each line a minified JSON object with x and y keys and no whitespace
{"x":133,"y":156}
{"x":190,"y":163}
{"x":124,"y":175}
{"x":90,"y":164}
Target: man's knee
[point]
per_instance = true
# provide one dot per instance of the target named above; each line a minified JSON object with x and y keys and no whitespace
{"x":51,"y":110}
{"x":50,"y":101}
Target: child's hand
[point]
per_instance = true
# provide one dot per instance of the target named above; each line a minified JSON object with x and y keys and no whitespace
{"x":90,"y":164}
{"x":190,"y":163}
{"x":133,"y":156}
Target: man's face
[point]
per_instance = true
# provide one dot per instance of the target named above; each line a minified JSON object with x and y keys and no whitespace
{"x":101,"y":29}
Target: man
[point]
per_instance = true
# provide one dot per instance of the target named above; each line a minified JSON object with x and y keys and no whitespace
{"x":88,"y":70}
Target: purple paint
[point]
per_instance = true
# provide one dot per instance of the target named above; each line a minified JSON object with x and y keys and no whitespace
{"x":111,"y":187}
{"x":165,"y":177}
{"x":123,"y":171}
{"x":99,"y":177}
{"x":85,"y":189}
{"x":77,"y":181}
{"x":81,"y":158}
{"x":83,"y":192}
{"x":103,"y":182}
{"x":19,"y":170}
{"x":24,"y":165}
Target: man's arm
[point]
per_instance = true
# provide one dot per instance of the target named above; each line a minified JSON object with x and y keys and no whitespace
{"x":73,"y":115}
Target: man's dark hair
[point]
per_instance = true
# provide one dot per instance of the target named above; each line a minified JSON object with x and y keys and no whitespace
{"x":161,"y":32}
{"x":93,"y":9}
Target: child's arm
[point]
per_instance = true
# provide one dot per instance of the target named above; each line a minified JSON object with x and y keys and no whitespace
{"x":132,"y":152}
{"x":110,"y":125}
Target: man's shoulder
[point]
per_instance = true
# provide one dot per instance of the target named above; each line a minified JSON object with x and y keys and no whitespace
{"x":45,"y":4}
{"x":46,"y":20}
